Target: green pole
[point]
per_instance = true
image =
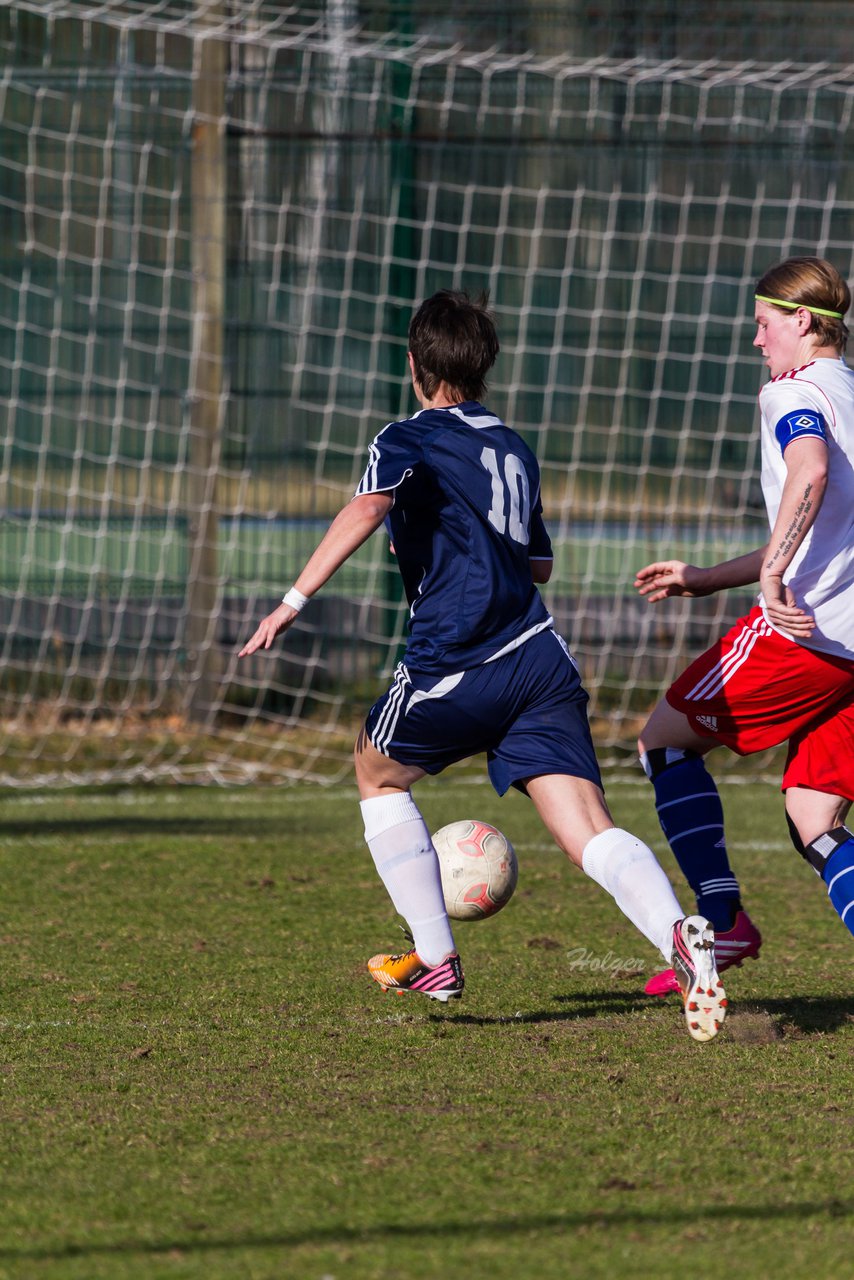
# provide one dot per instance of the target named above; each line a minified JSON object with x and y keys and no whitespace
{"x":208,"y":215}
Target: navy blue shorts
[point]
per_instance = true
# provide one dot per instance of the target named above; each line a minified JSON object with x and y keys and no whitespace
{"x":527,"y":711}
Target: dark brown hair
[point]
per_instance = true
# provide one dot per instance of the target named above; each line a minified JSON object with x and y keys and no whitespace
{"x":811,"y":282}
{"x":452,"y":339}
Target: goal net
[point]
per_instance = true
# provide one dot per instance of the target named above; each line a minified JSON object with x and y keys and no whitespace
{"x":216,"y":220}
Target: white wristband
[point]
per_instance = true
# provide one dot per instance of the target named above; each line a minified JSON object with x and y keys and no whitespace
{"x":295,"y":599}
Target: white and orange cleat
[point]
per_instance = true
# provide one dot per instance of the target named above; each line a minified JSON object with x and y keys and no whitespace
{"x":408,"y":972}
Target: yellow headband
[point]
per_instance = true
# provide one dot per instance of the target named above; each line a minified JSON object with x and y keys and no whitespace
{"x":793,"y":306}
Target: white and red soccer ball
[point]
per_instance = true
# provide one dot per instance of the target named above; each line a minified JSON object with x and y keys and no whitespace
{"x":478,"y":867}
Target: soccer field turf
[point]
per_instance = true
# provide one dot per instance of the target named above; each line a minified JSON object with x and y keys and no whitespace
{"x":200,"y":1080}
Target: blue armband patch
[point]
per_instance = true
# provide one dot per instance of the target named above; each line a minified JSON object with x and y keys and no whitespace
{"x":803,"y":422}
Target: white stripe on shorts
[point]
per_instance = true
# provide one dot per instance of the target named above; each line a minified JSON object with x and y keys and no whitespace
{"x":713,"y":681}
{"x":443,"y":686}
{"x":387,"y":722}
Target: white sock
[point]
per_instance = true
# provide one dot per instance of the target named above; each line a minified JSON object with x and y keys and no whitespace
{"x":628,"y":870}
{"x":403,"y":852}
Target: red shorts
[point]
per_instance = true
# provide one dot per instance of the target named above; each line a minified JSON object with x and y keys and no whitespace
{"x":755,"y":689}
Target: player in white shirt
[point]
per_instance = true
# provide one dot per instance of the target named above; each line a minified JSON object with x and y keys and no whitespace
{"x":785,"y":673}
{"x":816,"y":402}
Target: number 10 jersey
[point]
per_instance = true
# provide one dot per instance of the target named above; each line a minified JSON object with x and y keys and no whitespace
{"x":466,"y":521}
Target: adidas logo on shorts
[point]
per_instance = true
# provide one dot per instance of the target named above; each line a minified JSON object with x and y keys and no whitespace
{"x":711,"y":722}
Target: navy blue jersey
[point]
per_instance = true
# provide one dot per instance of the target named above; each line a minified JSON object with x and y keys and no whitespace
{"x":467,"y":517}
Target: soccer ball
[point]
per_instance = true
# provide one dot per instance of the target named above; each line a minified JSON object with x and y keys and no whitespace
{"x":478,"y":867}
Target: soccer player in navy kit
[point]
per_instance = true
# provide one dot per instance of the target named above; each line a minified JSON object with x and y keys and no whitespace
{"x":484,"y":670}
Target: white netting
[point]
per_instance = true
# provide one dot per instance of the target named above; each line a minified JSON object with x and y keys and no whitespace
{"x":216,"y":221}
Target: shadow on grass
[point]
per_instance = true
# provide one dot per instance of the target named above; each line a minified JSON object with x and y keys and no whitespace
{"x":588,"y":1004}
{"x":467,"y":1228}
{"x":805,"y":1015}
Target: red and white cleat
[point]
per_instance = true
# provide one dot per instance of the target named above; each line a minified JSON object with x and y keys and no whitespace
{"x":693,"y":962}
{"x":741,"y":942}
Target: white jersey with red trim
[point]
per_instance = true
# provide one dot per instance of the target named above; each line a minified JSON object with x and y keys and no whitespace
{"x":816,"y":400}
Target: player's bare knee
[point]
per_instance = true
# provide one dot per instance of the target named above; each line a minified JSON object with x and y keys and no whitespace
{"x":810,"y":814}
{"x":816,"y":824}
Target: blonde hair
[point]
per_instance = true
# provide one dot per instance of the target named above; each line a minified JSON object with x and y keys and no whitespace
{"x":810,"y":282}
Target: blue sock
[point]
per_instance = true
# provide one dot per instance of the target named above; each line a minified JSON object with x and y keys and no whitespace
{"x":838,"y":875}
{"x":691,"y":816}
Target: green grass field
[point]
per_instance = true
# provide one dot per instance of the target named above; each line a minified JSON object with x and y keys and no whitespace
{"x":200,"y":1080}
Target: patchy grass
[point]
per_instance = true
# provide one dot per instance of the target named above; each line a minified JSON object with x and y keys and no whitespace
{"x":198,"y":1078}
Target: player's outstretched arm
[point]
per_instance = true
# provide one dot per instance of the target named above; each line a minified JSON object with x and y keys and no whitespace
{"x":667,"y":578}
{"x":353,"y":525}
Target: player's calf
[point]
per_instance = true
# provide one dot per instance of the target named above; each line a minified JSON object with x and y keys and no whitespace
{"x":691,"y":816}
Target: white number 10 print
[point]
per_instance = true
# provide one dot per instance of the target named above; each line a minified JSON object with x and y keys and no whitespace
{"x":513,"y":485}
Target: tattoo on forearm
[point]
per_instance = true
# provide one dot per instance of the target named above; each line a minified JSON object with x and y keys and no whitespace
{"x":792,"y":535}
